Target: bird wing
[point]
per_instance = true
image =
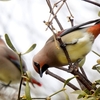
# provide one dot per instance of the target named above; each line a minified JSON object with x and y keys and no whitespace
{"x":67,"y":31}
{"x":15,"y":62}
{"x":79,"y":27}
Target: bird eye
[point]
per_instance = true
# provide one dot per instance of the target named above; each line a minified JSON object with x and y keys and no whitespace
{"x":36,"y":64}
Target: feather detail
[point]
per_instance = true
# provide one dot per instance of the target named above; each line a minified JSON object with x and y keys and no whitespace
{"x":95,"y":30}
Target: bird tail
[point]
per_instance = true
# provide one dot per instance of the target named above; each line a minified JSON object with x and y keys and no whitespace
{"x":34,"y":81}
{"x":95,"y":29}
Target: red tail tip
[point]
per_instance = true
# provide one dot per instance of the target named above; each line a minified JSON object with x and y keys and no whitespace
{"x":39,"y":84}
{"x":33,"y":81}
{"x":95,"y":30}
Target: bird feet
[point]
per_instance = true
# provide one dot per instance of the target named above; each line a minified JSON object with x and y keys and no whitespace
{"x":74,"y":66}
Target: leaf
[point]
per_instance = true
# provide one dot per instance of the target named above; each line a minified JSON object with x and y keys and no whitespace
{"x":28,"y":74}
{"x":27,"y":91}
{"x":81,"y":93}
{"x":92,"y":98}
{"x":99,"y":13}
{"x":9,"y":43}
{"x":97,"y":82}
{"x":96,"y":67}
{"x":30,"y":49}
{"x":66,"y":96}
{"x":81,"y":63}
{"x":98,"y":61}
{"x":67,"y":81}
{"x":97,"y":92}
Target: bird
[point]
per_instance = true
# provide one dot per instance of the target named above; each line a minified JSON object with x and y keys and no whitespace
{"x":78,"y":40}
{"x":10,"y":71}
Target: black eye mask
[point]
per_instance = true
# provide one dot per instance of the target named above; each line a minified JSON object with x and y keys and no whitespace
{"x":41,"y":70}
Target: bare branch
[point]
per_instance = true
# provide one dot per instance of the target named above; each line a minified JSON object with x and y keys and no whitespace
{"x":61,"y":79}
{"x":92,"y":2}
{"x":51,"y":11}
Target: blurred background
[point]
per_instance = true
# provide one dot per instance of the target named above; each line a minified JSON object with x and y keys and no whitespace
{"x":23,"y":20}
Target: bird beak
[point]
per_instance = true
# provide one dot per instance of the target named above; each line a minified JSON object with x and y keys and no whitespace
{"x":41,"y":73}
{"x":43,"y":69}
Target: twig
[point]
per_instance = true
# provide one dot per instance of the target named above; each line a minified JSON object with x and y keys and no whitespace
{"x":51,"y":11}
{"x":49,"y":26}
{"x":61,"y":79}
{"x":71,"y":21}
{"x":63,"y":89}
{"x":57,"y":11}
{"x":63,"y":46}
{"x":81,"y":78}
{"x":83,"y":72}
{"x":20,"y":88}
{"x":69,"y":10}
{"x":73,"y":68}
{"x":67,"y":70}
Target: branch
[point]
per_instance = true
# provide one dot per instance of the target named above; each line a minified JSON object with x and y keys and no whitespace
{"x":92,"y":2}
{"x":20,"y":88}
{"x":73,"y":68}
{"x":55,"y":16}
{"x":63,"y":46}
{"x":81,"y":78}
{"x":61,"y":79}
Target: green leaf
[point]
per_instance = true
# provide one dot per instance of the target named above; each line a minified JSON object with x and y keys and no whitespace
{"x":9,"y":43}
{"x":97,"y":92}
{"x":30,"y":49}
{"x":92,"y":98}
{"x":99,"y":13}
{"x":67,"y":81}
{"x":81,"y":93}
{"x":28,"y":74}
{"x":96,"y":67}
{"x":97,"y":82}
{"x":83,"y":99}
{"x":98,"y":61}
{"x":27,"y":91}
{"x":66,"y":96}
{"x":81,"y":63}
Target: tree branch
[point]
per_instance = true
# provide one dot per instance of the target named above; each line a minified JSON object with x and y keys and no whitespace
{"x":61,"y":79}
{"x":92,"y":2}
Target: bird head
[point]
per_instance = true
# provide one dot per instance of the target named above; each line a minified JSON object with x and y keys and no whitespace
{"x":40,"y":69}
{"x":39,"y":63}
